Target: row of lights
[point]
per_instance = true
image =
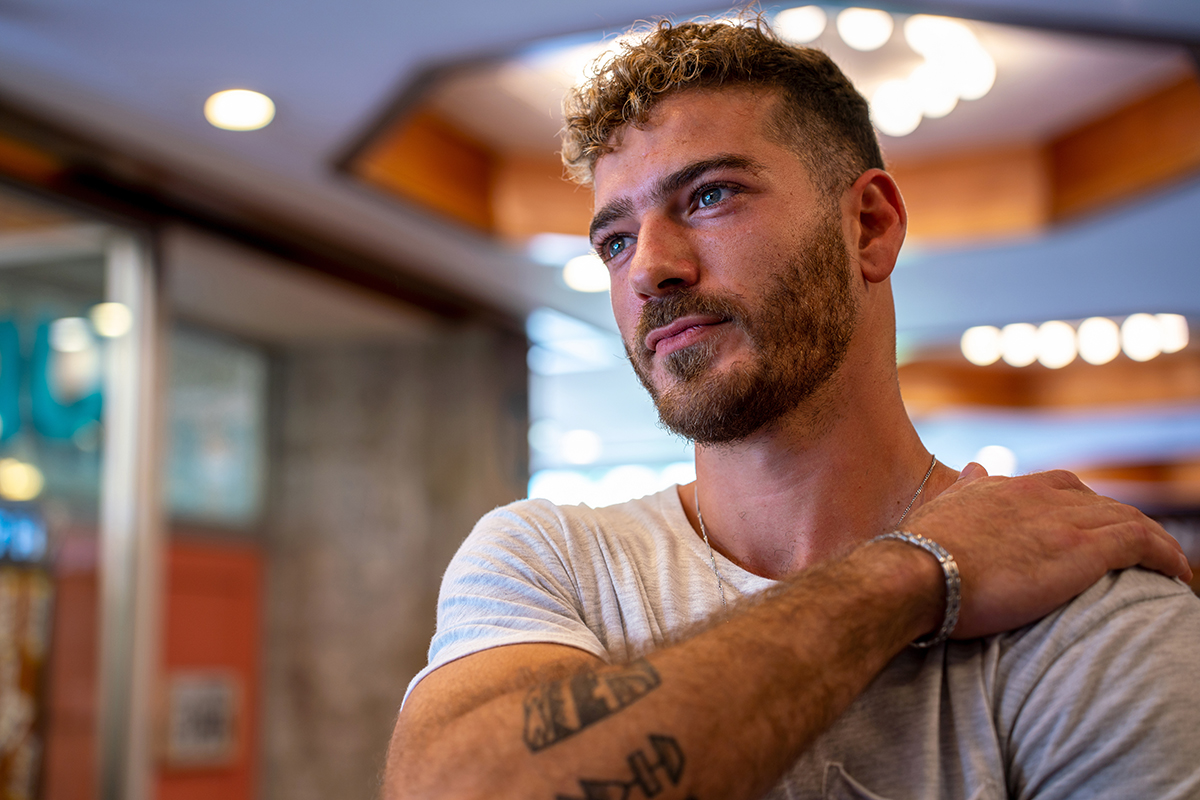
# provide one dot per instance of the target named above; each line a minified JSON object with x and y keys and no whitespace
{"x":955,"y":65}
{"x":1097,"y":340}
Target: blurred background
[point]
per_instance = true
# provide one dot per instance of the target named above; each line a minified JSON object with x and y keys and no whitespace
{"x":291,"y":294}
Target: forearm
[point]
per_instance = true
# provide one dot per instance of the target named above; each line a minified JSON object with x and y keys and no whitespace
{"x":721,"y":714}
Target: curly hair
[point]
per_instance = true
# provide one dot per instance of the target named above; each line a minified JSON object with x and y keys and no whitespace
{"x":822,"y":117}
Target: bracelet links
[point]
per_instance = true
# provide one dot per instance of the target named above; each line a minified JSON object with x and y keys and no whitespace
{"x":953,"y":584}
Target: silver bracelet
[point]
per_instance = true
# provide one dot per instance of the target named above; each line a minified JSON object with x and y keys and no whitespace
{"x":953,"y":584}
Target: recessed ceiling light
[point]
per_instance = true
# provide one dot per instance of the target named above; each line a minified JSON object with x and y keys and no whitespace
{"x":865,"y":29}
{"x":801,"y":25}
{"x":239,"y":110}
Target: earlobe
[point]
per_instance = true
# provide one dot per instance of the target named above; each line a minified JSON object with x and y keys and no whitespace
{"x":882,"y":221}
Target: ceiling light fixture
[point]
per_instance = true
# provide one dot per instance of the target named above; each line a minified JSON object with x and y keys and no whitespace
{"x":1141,"y":337}
{"x":1056,"y":344}
{"x":981,"y":345}
{"x":801,"y":25}
{"x":239,"y":110}
{"x":895,"y":108}
{"x":1174,"y":332}
{"x":1019,"y":344}
{"x":865,"y":29}
{"x":1099,"y":340}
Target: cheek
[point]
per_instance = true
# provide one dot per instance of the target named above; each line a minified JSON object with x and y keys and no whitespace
{"x":626,"y":309}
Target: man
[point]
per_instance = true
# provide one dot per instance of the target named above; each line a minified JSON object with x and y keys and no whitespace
{"x":748,"y":633}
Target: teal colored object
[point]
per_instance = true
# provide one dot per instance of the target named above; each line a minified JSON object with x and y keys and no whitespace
{"x":10,"y":380}
{"x":53,"y":419}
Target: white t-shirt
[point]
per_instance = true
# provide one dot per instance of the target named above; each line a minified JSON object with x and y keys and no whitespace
{"x":1099,"y":699}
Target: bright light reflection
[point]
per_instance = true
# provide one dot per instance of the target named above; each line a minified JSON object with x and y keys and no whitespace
{"x":111,"y":320}
{"x":1099,"y":340}
{"x":1056,"y":344}
{"x":1141,"y":337}
{"x":935,"y":91}
{"x":895,"y":108}
{"x":614,"y":485}
{"x":1019,"y":344}
{"x":976,"y":71}
{"x":70,"y":335}
{"x":935,"y":37}
{"x":800,"y":25}
{"x":19,"y":481}
{"x":997,"y":460}
{"x":581,"y":446}
{"x":981,"y":345}
{"x":239,"y":110}
{"x":1174,"y":332}
{"x":586,"y":273}
{"x":865,"y":29}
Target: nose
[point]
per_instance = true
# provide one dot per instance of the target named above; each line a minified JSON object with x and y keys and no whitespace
{"x":664,"y":260}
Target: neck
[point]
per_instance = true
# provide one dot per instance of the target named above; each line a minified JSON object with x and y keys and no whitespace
{"x":834,"y":473}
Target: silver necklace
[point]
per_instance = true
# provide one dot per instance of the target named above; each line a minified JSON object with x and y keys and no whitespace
{"x":712,"y":558}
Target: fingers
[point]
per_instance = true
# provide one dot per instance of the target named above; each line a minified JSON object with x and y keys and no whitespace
{"x":1119,"y":534}
{"x":972,"y":471}
{"x":1143,"y":542}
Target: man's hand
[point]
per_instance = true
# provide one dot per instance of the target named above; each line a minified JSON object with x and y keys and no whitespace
{"x":1027,"y":545}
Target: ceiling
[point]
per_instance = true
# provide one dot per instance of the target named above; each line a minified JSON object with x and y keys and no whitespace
{"x":133,"y":76}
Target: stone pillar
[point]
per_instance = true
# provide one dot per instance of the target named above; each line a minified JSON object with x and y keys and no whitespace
{"x":383,"y":458}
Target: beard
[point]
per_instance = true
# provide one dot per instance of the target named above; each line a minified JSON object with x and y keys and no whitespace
{"x":800,"y":330}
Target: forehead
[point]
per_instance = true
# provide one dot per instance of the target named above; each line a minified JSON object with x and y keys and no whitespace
{"x":685,"y":127}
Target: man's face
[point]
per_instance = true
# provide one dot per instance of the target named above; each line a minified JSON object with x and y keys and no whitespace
{"x":731,"y":282}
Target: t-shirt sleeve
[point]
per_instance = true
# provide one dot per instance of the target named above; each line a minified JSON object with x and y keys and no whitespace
{"x":510,"y":583}
{"x":1106,"y":702}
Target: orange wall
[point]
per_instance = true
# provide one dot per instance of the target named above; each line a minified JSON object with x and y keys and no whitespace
{"x":214,"y":621}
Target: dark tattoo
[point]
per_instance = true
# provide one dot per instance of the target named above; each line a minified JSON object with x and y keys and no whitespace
{"x":556,"y":710}
{"x":645,"y":774}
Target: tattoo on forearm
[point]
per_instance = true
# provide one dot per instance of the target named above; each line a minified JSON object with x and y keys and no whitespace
{"x":556,"y":710}
{"x":646,"y":774}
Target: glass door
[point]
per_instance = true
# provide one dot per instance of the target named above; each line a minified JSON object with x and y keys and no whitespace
{"x":78,"y":559}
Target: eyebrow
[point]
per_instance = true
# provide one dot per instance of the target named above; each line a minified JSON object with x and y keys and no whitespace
{"x":670,"y":184}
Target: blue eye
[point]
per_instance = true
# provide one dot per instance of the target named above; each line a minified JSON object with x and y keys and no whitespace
{"x":711,"y":196}
{"x":614,"y":247}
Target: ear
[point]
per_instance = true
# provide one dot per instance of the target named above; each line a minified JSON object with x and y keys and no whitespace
{"x":877,"y":221}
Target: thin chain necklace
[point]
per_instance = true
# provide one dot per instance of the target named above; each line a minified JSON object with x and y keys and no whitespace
{"x":712,"y":559}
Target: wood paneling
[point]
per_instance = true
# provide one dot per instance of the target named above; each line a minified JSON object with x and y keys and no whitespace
{"x":1144,"y":144}
{"x":987,"y":194}
{"x":530,"y":196}
{"x":25,"y":162}
{"x":431,"y":162}
{"x":928,"y":385}
{"x":1000,"y":192}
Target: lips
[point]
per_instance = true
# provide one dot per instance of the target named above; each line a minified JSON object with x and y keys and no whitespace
{"x":680,"y":333}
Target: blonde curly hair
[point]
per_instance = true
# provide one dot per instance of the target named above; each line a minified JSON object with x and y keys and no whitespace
{"x":822,"y":118}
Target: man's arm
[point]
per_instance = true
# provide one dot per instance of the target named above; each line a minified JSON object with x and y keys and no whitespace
{"x":725,"y":712}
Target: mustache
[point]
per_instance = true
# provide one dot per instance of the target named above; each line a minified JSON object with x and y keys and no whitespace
{"x":661,"y":311}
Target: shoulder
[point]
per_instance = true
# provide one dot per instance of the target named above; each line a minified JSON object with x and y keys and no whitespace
{"x":1102,"y":692}
{"x":1122,"y":598}
{"x":1124,"y":606}
{"x":569,"y":533}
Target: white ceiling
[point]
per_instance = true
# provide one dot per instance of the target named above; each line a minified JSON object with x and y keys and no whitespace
{"x":133,"y":75}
